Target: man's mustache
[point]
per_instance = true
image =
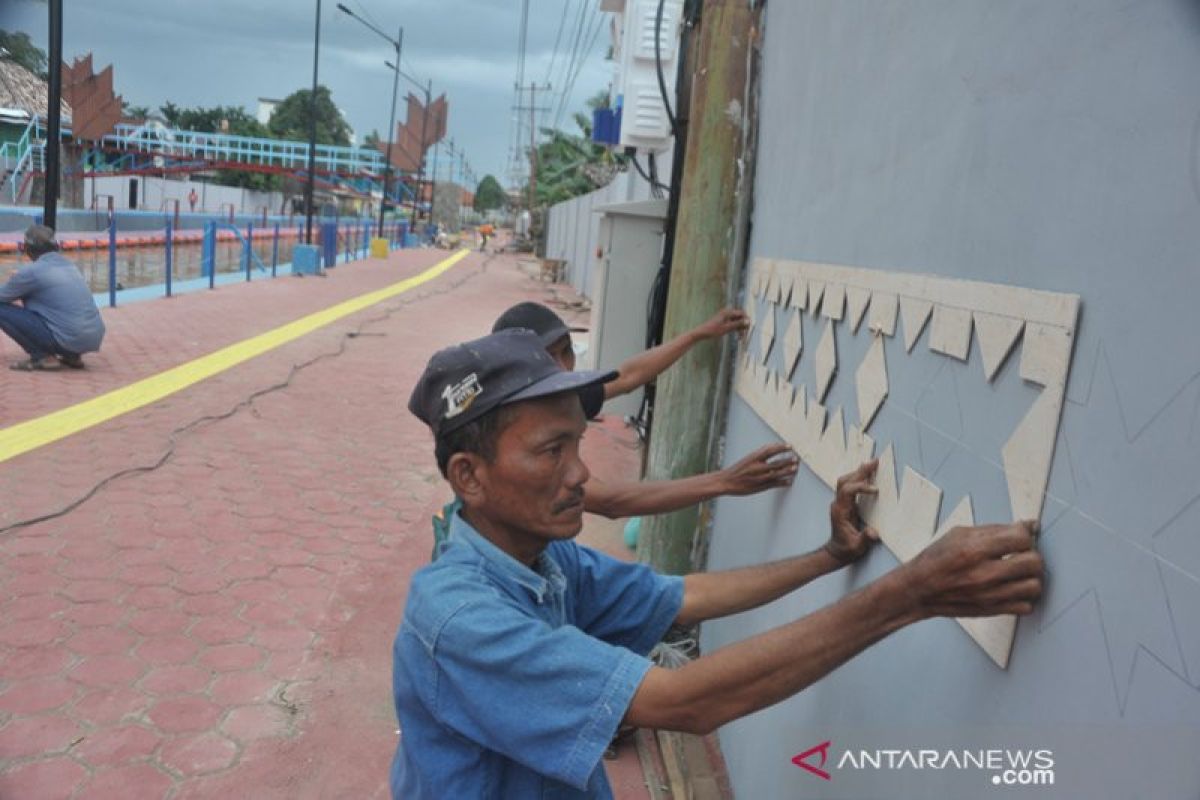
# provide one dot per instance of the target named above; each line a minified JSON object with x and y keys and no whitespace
{"x":565,"y":505}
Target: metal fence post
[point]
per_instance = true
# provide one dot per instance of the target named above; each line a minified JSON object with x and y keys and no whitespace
{"x":208,"y":257}
{"x":112,"y":260}
{"x":275,"y":251}
{"x":170,"y":254}
{"x":248,"y":254}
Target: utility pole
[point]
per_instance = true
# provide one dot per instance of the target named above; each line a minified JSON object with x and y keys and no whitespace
{"x":53,"y":117}
{"x":710,"y":236}
{"x":532,"y":108}
{"x":398,"y":45}
{"x":312,"y":135}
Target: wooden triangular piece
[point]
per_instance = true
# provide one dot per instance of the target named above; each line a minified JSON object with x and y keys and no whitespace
{"x":997,"y":335}
{"x":915,"y":314}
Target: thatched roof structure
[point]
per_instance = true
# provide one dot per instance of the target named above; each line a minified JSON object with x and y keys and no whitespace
{"x":23,"y":94}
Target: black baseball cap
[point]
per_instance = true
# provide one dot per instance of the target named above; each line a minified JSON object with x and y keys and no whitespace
{"x":462,"y":383}
{"x":535,"y":317}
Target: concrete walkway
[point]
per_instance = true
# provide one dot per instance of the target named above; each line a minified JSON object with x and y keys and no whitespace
{"x":206,"y":604}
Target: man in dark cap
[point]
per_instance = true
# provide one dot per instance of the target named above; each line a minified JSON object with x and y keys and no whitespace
{"x":520,"y":652}
{"x":636,"y":371}
{"x":769,"y":467}
{"x":57,"y":321}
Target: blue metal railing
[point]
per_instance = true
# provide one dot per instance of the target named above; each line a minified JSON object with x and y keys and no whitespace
{"x":247,"y":239}
{"x":21,"y":154}
{"x":28,"y":152}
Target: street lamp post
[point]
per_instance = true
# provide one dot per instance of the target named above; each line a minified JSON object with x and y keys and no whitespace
{"x":312,"y":136}
{"x":398,"y":45}
{"x":53,"y":117}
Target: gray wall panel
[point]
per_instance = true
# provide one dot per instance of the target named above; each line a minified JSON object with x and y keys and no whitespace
{"x":1049,"y":145}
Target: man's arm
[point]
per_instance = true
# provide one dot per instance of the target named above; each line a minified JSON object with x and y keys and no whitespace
{"x":18,"y":285}
{"x":980,"y":571}
{"x":645,"y":367}
{"x":709,"y":595}
{"x":766,"y":468}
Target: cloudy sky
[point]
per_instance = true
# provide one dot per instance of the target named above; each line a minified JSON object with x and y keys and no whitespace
{"x":231,"y":52}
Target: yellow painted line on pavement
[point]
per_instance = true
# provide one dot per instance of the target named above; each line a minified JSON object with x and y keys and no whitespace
{"x":34,"y":433}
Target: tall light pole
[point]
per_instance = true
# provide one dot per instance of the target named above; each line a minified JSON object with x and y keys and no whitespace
{"x":312,"y":135}
{"x":53,"y":117}
{"x":398,"y":45}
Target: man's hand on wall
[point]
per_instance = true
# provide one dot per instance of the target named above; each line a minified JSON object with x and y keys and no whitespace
{"x":771,"y":466}
{"x":978,"y":571}
{"x":727,"y":320}
{"x":849,"y":537}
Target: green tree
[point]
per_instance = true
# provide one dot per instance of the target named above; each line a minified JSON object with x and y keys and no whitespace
{"x":489,"y":194}
{"x":373,"y":140}
{"x":22,"y":50}
{"x":290,"y":120}
{"x":170,"y":112}
{"x":135,"y":112}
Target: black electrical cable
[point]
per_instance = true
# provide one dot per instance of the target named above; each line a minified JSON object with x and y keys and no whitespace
{"x":652,"y":167}
{"x":656,"y":188}
{"x":657,"y":312}
{"x":662,"y":83}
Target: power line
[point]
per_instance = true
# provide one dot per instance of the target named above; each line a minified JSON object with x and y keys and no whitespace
{"x":522,"y":42}
{"x":579,"y":24}
{"x":370,"y":17}
{"x":585,"y":54}
{"x":515,"y":127}
{"x":558,"y":38}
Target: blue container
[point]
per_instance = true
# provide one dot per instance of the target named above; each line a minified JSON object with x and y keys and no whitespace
{"x":606,"y":126}
{"x":306,"y":260}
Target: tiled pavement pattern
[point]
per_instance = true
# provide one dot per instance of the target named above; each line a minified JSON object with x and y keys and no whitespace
{"x":220,"y":625}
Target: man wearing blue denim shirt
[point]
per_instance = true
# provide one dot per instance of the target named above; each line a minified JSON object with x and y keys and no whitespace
{"x":521,"y":652}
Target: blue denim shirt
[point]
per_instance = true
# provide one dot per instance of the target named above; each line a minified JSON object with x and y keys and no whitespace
{"x":510,"y":682}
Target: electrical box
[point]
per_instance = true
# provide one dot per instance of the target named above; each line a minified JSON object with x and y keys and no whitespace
{"x":629,"y":254}
{"x":644,"y":122}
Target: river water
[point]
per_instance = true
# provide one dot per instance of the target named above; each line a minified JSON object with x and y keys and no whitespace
{"x":146,"y":265}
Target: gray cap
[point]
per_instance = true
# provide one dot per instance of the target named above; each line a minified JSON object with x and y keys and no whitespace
{"x":462,"y":383}
{"x":40,"y":238}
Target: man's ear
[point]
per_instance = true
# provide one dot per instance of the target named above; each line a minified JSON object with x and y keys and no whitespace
{"x":467,"y":473}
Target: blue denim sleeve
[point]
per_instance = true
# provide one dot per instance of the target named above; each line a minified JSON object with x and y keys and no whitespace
{"x":548,"y":698}
{"x":623,"y":603}
{"x":20,"y":284}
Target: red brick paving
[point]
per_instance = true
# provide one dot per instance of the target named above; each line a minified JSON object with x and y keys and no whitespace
{"x":221,"y":624}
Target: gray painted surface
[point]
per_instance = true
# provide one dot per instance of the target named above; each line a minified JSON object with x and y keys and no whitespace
{"x":1050,"y":145}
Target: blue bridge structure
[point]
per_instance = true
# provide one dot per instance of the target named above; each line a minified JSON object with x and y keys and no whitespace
{"x":152,"y":148}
